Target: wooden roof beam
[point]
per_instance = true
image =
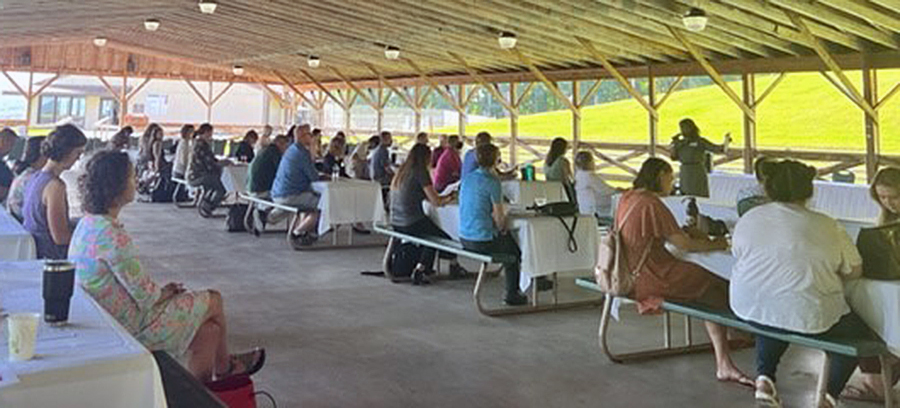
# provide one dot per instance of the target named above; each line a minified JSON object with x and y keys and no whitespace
{"x":221,"y":93}
{"x":366,"y":98}
{"x":618,"y":76}
{"x":716,"y":77}
{"x":15,"y":84}
{"x":134,"y":91}
{"x":865,"y":11}
{"x":887,"y":97}
{"x":672,"y":88}
{"x":758,"y":100}
{"x":554,"y":89}
{"x":833,"y":65}
{"x":480,"y":80}
{"x":525,"y":92}
{"x":403,"y":95}
{"x":431,"y":83}
{"x":817,"y":12}
{"x":316,"y":83}
{"x":590,"y":93}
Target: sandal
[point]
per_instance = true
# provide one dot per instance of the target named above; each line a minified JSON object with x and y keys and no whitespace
{"x":763,"y":397}
{"x":861,"y":393}
{"x":247,"y":363}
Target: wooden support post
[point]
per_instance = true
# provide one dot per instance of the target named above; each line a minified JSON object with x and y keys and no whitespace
{"x":748,"y":82}
{"x":653,"y":120}
{"x":872,"y":122}
{"x":513,"y":125}
{"x":382,"y":101}
{"x":462,"y":113}
{"x":576,"y":119}
{"x":417,"y":91}
{"x":30,"y":103}
{"x":123,"y":109}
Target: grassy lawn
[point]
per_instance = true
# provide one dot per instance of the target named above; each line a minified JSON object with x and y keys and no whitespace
{"x":804,"y":112}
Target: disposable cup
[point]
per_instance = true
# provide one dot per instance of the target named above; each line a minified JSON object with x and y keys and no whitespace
{"x":540,"y":201}
{"x":22,"y":332}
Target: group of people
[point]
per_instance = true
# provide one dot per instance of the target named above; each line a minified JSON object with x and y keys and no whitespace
{"x":791,"y":265}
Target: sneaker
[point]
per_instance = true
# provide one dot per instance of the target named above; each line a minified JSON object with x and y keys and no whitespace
{"x":259,"y":221}
{"x":543,"y":284}
{"x":516,"y":299}
{"x":205,"y":209}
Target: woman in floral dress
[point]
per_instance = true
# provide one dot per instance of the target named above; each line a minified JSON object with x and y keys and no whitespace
{"x":183,"y":323}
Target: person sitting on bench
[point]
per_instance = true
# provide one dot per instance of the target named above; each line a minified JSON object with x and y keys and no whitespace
{"x":261,"y":175}
{"x":183,"y":152}
{"x":205,"y":170}
{"x":170,"y":318}
{"x":293,"y":187}
{"x":482,"y":216}
{"x":412,"y":185}
{"x":788,"y":276}
{"x":755,"y":195}
{"x":593,"y":194}
{"x":646,"y":225}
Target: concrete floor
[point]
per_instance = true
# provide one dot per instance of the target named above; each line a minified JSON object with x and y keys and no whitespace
{"x":339,"y":339}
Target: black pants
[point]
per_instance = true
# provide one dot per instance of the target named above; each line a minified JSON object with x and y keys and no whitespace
{"x":425,"y":228}
{"x":769,"y":352}
{"x":215,"y":190}
{"x":502,"y":244}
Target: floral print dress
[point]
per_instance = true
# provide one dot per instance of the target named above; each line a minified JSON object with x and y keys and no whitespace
{"x":109,"y":270}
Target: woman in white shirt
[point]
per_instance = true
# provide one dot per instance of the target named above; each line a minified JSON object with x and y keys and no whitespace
{"x":791,"y":264}
{"x":183,"y":152}
{"x":593,"y":194}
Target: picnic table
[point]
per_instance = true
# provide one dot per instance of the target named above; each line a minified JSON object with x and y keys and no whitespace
{"x":348,"y":201}
{"x":15,"y":243}
{"x":91,"y":362}
{"x":524,"y":193}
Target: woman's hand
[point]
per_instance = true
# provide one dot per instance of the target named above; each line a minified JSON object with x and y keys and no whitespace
{"x":720,"y":243}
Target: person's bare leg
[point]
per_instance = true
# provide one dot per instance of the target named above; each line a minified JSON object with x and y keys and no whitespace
{"x":309,"y":223}
{"x":725,"y":368}
{"x":203,"y":349}
{"x":216,"y":314}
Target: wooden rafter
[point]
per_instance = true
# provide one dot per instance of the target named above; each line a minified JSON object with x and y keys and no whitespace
{"x":402,"y":94}
{"x":716,"y":77}
{"x":365,"y":97}
{"x":134,"y":91}
{"x":618,"y":76}
{"x":887,"y":97}
{"x":554,"y":89}
{"x":221,"y":93}
{"x":672,"y":88}
{"x":525,"y":92}
{"x":299,"y":93}
{"x":188,"y":81}
{"x":431,"y":84}
{"x":830,"y":62}
{"x":769,"y":89}
{"x":591,"y":92}
{"x":15,"y":84}
{"x":484,"y":84}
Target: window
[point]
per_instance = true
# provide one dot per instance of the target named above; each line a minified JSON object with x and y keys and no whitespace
{"x":109,"y":109}
{"x":54,"y":108}
{"x":156,"y":105}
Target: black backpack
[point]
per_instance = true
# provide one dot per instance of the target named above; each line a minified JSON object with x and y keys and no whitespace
{"x":404,"y":259}
{"x":234,"y":221}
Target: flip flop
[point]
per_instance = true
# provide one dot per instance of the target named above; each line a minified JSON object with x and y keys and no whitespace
{"x":853,"y":392}
{"x":252,"y":361}
{"x":766,"y":399}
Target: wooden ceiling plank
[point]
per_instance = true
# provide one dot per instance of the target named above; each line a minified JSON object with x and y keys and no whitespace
{"x":618,"y":76}
{"x":822,"y":14}
{"x":865,"y":11}
{"x":716,"y":77}
{"x":785,"y":28}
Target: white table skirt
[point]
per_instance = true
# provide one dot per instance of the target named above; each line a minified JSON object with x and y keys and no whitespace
{"x":234,"y":178}
{"x":16,"y":244}
{"x":348,"y":201}
{"x":92,"y":362}
{"x":524,"y":193}
{"x":543,"y":241}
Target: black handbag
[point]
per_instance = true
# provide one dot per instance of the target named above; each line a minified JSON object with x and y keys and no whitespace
{"x":880,"y":251}
{"x":234,"y":221}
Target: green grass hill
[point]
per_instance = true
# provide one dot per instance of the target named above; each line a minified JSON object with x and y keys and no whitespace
{"x":804,"y":112}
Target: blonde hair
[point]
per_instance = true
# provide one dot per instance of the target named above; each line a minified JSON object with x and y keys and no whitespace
{"x":886,"y":177}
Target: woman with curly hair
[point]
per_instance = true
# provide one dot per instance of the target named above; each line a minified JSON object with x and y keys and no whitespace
{"x":170,"y":318}
{"x":45,"y":212}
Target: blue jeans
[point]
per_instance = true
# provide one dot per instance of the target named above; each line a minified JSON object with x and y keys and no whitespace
{"x":503,"y":243}
{"x":850,"y":326}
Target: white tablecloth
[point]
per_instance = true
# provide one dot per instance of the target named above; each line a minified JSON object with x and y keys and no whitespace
{"x":16,"y":244}
{"x":543,"y":241}
{"x":234,"y":178}
{"x":92,"y":362}
{"x":523,"y":193}
{"x":348,"y":201}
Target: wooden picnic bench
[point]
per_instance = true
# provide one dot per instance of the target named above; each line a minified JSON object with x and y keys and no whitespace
{"x":182,"y":185}
{"x":485,"y":259}
{"x":861,"y":348}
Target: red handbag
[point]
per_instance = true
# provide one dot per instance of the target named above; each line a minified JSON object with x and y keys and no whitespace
{"x":237,"y":391}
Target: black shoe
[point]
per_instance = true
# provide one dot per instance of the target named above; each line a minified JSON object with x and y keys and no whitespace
{"x":361,"y":231}
{"x":458,"y":272}
{"x":259,"y":221}
{"x":205,"y":210}
{"x":543,"y":284}
{"x":301,"y":241}
{"x":516,"y":299}
{"x":419,"y":277}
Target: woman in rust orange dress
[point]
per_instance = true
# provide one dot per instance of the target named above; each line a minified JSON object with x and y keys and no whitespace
{"x":648,"y":227}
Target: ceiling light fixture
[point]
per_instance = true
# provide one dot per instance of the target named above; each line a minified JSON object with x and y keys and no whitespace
{"x":313,"y":61}
{"x":208,"y":6}
{"x":238,"y":70}
{"x":151,"y":24}
{"x":391,"y":52}
{"x":507,"y":40}
{"x":695,"y":20}
{"x":100,"y":41}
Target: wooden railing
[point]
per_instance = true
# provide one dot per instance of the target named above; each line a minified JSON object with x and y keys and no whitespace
{"x":621,"y":161}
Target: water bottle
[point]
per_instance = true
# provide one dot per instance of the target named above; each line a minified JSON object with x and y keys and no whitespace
{"x":335,"y":173}
{"x":528,"y":172}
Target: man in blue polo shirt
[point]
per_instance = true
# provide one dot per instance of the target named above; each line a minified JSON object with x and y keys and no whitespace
{"x":293,"y":187}
{"x":482,"y":226}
